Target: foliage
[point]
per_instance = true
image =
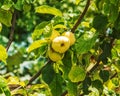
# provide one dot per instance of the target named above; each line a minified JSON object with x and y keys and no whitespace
{"x":90,"y":67}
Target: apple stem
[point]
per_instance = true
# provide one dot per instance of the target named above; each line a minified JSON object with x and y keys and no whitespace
{"x":81,"y":16}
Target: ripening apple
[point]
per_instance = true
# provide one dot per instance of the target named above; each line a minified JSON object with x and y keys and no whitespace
{"x":71,"y":37}
{"x":61,"y":44}
{"x":54,"y":56}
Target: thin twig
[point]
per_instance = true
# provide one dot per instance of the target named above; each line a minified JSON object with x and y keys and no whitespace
{"x":81,"y":16}
{"x":33,"y":77}
{"x":64,"y":94}
{"x":11,"y":31}
{"x":113,"y":75}
{"x":37,"y":74}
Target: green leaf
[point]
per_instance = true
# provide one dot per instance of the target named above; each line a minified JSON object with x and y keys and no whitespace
{"x":48,"y":73}
{"x":37,"y":44}
{"x":100,"y":22}
{"x":104,"y":75}
{"x":7,"y":92}
{"x":3,"y":87}
{"x":114,"y":12}
{"x":6,"y":6}
{"x":106,"y":48}
{"x":3,"y":82}
{"x":39,"y":29}
{"x":117,"y":25}
{"x":77,"y":74}
{"x":3,"y":54}
{"x":106,"y":8}
{"x":67,"y":64}
{"x":85,"y":43}
{"x":72,"y":88}
{"x":97,"y":84}
{"x":86,"y":85}
{"x":5,"y":17}
{"x":48,"y":10}
{"x":56,"y":85}
{"x":0,"y":27}
{"x":19,"y":5}
{"x":14,"y":60}
{"x":26,"y":7}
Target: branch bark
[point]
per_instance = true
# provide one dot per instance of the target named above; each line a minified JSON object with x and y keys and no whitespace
{"x":81,"y":16}
{"x":37,"y":74}
{"x":11,"y":31}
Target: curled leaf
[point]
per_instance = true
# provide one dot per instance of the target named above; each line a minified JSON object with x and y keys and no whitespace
{"x":37,"y":44}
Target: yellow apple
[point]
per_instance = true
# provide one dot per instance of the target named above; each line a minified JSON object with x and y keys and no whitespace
{"x":54,"y":34}
{"x":54,"y":56}
{"x":71,"y":37}
{"x":61,"y":44}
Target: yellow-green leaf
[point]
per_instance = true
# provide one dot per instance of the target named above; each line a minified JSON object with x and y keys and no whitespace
{"x":77,"y":74}
{"x":60,"y":26}
{"x":0,"y":27}
{"x":5,"y":17}
{"x":77,"y":2}
{"x":48,"y":10}
{"x":3,"y":54}
{"x":37,"y":44}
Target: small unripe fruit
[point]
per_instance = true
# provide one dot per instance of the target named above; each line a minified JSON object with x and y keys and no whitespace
{"x":61,"y":44}
{"x":71,"y":37}
{"x":54,"y":56}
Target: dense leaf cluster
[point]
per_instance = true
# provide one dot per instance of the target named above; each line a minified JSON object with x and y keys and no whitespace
{"x":90,"y":67}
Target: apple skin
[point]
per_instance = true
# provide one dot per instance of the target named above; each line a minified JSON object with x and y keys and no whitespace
{"x":54,"y":56}
{"x":60,"y":44}
{"x":71,"y":37}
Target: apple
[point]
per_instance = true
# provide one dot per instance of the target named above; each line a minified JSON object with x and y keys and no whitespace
{"x":60,"y":44}
{"x":71,"y":37}
{"x":54,"y":56}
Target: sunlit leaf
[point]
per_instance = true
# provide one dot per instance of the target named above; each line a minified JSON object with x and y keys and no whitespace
{"x":3,"y":82}
{"x":77,"y":2}
{"x":77,"y":74}
{"x":48,"y":10}
{"x":6,"y":6}
{"x":85,"y":24}
{"x":0,"y":27}
{"x":3,"y":54}
{"x":3,"y":87}
{"x":5,"y":17}
{"x":60,"y":26}
{"x":36,"y":44}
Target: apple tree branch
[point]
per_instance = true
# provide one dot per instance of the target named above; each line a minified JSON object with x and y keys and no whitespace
{"x":81,"y":17}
